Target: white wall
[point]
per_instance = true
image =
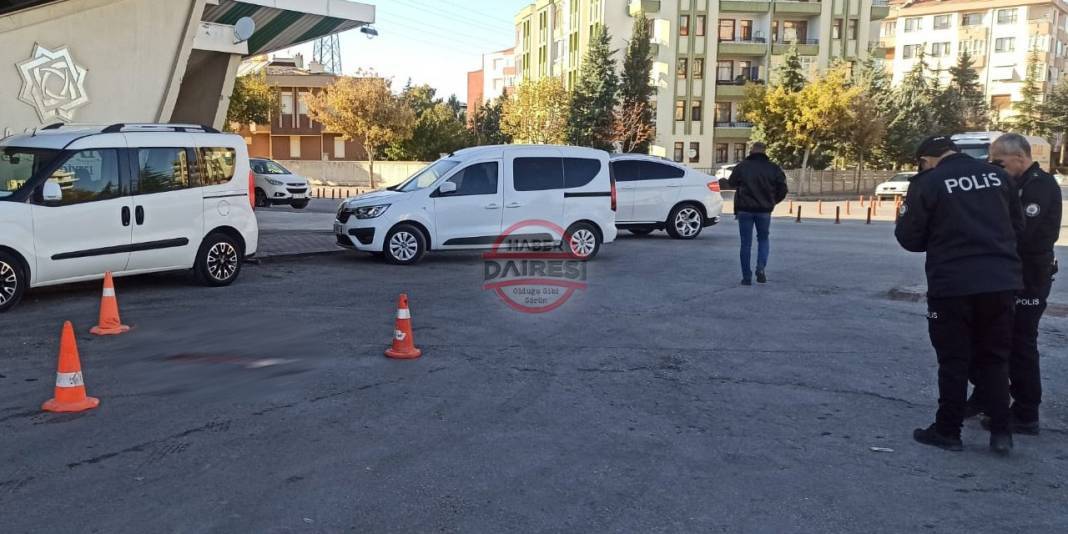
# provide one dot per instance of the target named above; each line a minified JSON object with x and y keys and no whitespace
{"x":354,"y":173}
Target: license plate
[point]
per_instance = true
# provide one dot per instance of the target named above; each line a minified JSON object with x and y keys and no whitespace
{"x":339,"y":229}
{"x":299,"y":195}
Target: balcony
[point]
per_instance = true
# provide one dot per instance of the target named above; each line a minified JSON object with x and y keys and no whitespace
{"x":648,"y":6}
{"x":743,"y":6}
{"x":755,"y":47}
{"x":879,"y":9}
{"x":732,"y":130}
{"x":733,"y":89}
{"x":805,"y":47}
{"x":798,"y":8}
{"x":879,"y":49}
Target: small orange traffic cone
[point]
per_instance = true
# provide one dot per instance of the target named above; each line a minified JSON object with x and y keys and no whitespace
{"x":70,"y":386}
{"x":403,"y":344}
{"x":110,"y":324}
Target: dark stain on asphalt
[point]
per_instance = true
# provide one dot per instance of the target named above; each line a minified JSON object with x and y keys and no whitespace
{"x":214,"y":426}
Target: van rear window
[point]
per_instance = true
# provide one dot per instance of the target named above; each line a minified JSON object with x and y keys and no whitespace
{"x":218,"y":165}
{"x":580,"y":171}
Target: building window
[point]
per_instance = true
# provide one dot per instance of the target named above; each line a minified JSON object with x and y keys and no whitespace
{"x":339,"y":148}
{"x":680,"y":110}
{"x":695,"y":152}
{"x":794,"y":31}
{"x":698,"y":68}
{"x":684,"y":25}
{"x":889,"y":28}
{"x":680,"y":68}
{"x":1005,"y":44}
{"x":941,"y":22}
{"x":723,"y":112}
{"x":745,"y":30}
{"x":1007,"y":16}
{"x":739,"y":151}
{"x":909,"y":51}
{"x":836,"y":29}
{"x":721,"y":152}
{"x":913,"y":24}
{"x":302,"y":102}
{"x":852,"y":33}
{"x":678,"y":151}
{"x":726,"y":30}
{"x":724,"y":70}
{"x":746,"y":72}
{"x":695,"y":111}
{"x":971,"y":19}
{"x":939,"y":49}
{"x":287,"y":103}
{"x":294,"y":147}
{"x":699,"y":21}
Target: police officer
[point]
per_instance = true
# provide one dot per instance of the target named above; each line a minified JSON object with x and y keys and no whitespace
{"x":965,"y":214}
{"x":1040,"y":197}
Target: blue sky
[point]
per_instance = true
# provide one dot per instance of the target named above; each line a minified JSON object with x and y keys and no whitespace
{"x":430,"y":41}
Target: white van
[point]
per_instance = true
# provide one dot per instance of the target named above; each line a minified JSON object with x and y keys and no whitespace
{"x":656,"y":194}
{"x":79,"y":201}
{"x":477,"y":197}
{"x":977,"y":145}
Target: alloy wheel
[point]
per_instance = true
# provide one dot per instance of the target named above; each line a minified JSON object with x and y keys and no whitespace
{"x":403,"y":246}
{"x":222,"y":261}
{"x":9,"y":282}
{"x":688,"y":222}
{"x":583,"y":242}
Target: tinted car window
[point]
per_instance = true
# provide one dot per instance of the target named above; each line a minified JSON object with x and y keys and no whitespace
{"x":626,"y":171}
{"x":538,"y":174}
{"x":478,"y":179}
{"x":580,"y":171}
{"x":218,"y":165}
{"x":163,"y":169}
{"x":659,"y":171}
{"x":88,"y":176}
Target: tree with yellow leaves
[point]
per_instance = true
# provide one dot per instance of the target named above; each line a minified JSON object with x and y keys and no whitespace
{"x":537,"y":112}
{"x":819,"y":114}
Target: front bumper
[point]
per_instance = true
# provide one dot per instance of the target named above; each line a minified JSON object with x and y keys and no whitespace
{"x":359,"y":234}
{"x":281,"y":194}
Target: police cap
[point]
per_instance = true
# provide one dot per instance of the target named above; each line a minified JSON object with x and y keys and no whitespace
{"x":935,"y":146}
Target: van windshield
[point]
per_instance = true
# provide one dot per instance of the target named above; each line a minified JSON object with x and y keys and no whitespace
{"x":426,"y":176}
{"x":19,"y":165}
{"x":979,"y":152}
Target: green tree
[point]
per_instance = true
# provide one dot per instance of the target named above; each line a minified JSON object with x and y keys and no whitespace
{"x":874,"y":82}
{"x":914,"y":114}
{"x":486,"y":123}
{"x":252,"y":101}
{"x":537,"y":112}
{"x":965,"y":84}
{"x":1028,"y":119}
{"x":866,"y":128}
{"x":790,"y":74}
{"x":1054,"y":110}
{"x":635,"y":127}
{"x":438,"y":129}
{"x":593,"y":101}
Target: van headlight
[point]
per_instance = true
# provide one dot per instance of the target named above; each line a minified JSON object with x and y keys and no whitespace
{"x":272,"y":181}
{"x":370,"y":212}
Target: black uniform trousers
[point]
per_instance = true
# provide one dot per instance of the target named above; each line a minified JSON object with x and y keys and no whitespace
{"x":972,"y":335}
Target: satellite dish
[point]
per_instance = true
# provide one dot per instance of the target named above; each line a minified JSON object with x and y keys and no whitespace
{"x":243,"y":29}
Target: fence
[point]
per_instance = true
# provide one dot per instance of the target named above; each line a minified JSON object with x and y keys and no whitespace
{"x":352,"y":173}
{"x":835,"y":182}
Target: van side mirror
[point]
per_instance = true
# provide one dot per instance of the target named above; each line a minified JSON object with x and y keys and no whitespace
{"x":447,"y":188}
{"x":51,"y":192}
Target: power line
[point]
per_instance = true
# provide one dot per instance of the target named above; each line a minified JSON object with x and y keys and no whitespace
{"x":466,"y":9}
{"x":471,"y":45}
{"x":449,"y":14}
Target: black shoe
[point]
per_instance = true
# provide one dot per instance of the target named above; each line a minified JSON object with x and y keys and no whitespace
{"x":972,"y":410}
{"x":1018,"y":427}
{"x":1001,"y":443}
{"x":761,"y":277}
{"x":747,"y":282}
{"x":930,"y":436}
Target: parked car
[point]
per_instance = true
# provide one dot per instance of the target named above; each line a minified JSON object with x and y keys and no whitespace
{"x":724,"y":171}
{"x":896,"y":186}
{"x":77,"y":202}
{"x":276,"y":185}
{"x":655,"y":194}
{"x":470,"y":198}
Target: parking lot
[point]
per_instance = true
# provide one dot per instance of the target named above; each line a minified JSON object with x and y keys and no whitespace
{"x":662,"y":398}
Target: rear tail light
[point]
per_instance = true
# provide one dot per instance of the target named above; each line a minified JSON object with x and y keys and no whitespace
{"x":613,"y":194}
{"x":252,"y":189}
{"x":713,"y":186}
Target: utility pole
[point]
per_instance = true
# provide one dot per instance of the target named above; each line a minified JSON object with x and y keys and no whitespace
{"x":327,"y":52}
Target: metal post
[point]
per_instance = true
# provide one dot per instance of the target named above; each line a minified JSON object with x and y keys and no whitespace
{"x":869,"y":215}
{"x":798,"y":214}
{"x":837,"y":215}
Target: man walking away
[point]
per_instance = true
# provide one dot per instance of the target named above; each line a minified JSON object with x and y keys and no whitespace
{"x":1040,"y":197}
{"x":758,"y":186}
{"x":965,"y":214}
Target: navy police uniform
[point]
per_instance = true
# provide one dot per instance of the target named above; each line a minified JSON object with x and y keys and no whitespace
{"x":966,"y":215}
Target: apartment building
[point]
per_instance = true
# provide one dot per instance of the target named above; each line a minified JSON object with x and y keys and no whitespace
{"x":704,"y":53}
{"x":1000,"y":35}
{"x":496,"y":76}
{"x":291,"y":133}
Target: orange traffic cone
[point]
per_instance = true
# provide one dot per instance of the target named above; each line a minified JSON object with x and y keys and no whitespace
{"x":109,"y":312}
{"x":70,"y":387}
{"x":403,"y":344}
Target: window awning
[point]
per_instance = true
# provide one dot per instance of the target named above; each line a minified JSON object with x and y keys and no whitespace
{"x":280,"y":26}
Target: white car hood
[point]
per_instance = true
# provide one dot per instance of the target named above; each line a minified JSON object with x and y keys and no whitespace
{"x":374,"y":197}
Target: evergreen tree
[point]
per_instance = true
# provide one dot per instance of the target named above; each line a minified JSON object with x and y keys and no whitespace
{"x":1054,"y":111}
{"x":593,"y":100}
{"x":634,"y":119}
{"x":914,"y":115}
{"x":486,"y":123}
{"x":964,"y":81}
{"x":875,"y":83}
{"x":790,"y":75}
{"x":1028,"y":119}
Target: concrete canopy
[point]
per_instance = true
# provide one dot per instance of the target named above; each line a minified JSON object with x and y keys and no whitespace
{"x":281,"y":24}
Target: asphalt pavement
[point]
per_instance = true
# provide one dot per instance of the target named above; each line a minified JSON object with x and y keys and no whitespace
{"x":662,"y":398}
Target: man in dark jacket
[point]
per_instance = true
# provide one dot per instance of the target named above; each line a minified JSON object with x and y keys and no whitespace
{"x":965,"y":214}
{"x":1040,"y":197}
{"x":758,"y":186}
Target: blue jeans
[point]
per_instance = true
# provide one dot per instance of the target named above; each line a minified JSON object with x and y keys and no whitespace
{"x":746,"y":221}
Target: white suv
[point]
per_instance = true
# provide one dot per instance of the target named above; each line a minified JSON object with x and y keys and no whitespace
{"x":79,"y":201}
{"x":478,"y":197}
{"x":655,"y":194}
{"x":276,"y":185}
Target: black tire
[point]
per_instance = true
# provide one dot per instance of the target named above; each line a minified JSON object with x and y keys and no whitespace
{"x":685,"y":221}
{"x":219,"y":260}
{"x":261,"y":199}
{"x":404,"y":245}
{"x":641,"y":231}
{"x":583,"y":241}
{"x":13,"y":281}
{"x":299,"y":204}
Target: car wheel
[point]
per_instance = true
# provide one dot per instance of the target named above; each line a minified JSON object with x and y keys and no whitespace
{"x":583,"y":241}
{"x":685,"y":222}
{"x":299,"y":204}
{"x":404,"y":245}
{"x":261,"y":199}
{"x":13,"y":281}
{"x":641,"y":231}
{"x":219,"y":260}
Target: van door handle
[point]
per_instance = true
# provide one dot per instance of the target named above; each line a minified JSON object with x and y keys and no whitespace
{"x":513,"y":205}
{"x":139,"y":214}
{"x":126,"y":216}
{"x":493,"y":206}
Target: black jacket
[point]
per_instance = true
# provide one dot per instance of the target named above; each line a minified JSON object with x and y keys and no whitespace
{"x":966,"y":215}
{"x":758,"y":184}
